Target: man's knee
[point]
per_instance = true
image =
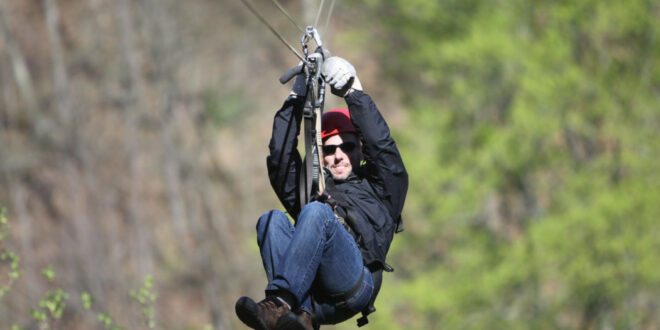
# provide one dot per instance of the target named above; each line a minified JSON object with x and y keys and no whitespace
{"x":317,"y":212}
{"x":272,"y":221}
{"x":318,"y":208}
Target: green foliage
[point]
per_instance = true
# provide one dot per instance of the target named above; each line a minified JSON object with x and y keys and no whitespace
{"x":86,"y":300}
{"x":52,"y":305}
{"x":14,"y":271}
{"x":48,"y":273}
{"x":7,"y":257}
{"x":532,"y":152}
{"x":107,"y":322}
{"x":146,"y":296}
{"x":4,"y":223}
{"x":105,"y":318}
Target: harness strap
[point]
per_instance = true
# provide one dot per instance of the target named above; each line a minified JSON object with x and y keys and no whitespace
{"x":340,"y":299}
{"x":332,"y":203}
{"x":306,"y":179}
{"x":312,"y":179}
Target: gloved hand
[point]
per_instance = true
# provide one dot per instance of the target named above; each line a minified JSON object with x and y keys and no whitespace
{"x":340,"y":75}
{"x":300,"y":84}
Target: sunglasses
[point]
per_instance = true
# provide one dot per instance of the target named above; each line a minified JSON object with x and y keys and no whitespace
{"x":345,"y":147}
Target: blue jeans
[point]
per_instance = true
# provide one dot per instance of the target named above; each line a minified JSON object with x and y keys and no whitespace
{"x":317,"y":255}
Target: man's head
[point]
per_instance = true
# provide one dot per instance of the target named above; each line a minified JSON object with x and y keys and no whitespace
{"x":341,"y":144}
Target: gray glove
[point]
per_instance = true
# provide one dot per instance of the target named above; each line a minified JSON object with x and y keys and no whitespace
{"x":340,"y":75}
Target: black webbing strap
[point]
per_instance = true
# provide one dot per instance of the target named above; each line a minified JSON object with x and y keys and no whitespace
{"x":341,"y":298}
{"x":307,"y":177}
{"x":311,"y":181}
{"x":378,"y":281}
{"x":341,"y":202}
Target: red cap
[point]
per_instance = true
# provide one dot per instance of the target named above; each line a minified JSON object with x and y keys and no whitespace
{"x":336,"y":121}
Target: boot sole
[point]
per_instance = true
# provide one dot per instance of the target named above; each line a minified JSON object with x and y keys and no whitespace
{"x":289,"y":321}
{"x":248,"y":312}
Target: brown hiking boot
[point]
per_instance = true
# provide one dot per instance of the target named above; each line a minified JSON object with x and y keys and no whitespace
{"x":262,"y":315}
{"x":293,"y":321}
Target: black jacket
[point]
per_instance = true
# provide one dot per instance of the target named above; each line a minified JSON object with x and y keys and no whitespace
{"x":370,"y":199}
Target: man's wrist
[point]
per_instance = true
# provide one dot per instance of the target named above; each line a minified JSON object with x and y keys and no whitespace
{"x":351,"y":92}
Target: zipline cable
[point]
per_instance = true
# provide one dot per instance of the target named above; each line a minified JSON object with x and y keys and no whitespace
{"x":281,"y":8}
{"x":287,"y":15}
{"x":327,"y":19}
{"x":318,"y":13}
{"x":272,"y":29}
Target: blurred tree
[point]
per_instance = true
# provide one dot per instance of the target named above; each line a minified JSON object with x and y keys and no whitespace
{"x":532,"y":146}
{"x":112,"y":169}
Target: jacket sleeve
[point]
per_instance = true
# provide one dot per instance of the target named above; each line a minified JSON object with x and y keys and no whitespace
{"x":385,"y":169}
{"x":284,"y":161}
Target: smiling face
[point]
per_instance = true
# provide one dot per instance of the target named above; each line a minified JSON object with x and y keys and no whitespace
{"x":341,"y":160}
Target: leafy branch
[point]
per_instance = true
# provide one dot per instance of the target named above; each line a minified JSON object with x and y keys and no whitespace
{"x":7,"y":256}
{"x":146,"y":296}
{"x":52,"y":305}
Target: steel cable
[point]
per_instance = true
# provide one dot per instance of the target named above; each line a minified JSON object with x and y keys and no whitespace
{"x":281,"y":8}
{"x":272,"y":29}
{"x":327,"y":20}
{"x":287,"y":15}
{"x":318,"y":14}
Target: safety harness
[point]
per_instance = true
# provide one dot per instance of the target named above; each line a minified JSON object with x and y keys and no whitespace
{"x":312,"y":179}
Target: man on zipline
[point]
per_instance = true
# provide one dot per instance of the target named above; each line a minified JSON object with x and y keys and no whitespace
{"x":328,"y":267}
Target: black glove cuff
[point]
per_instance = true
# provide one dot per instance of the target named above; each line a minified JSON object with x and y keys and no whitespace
{"x":344,"y":90}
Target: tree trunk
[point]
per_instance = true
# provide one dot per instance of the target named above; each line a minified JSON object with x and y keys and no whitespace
{"x":60,"y":76}
{"x":19,"y":67}
{"x":134,"y":106}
